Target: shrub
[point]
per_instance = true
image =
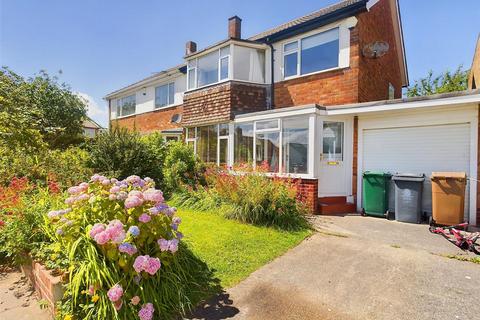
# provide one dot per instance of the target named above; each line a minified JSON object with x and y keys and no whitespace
{"x":46,"y":166}
{"x":182,"y":167}
{"x":121,"y":153}
{"x":21,"y":218}
{"x":250,"y":197}
{"x":126,"y":258}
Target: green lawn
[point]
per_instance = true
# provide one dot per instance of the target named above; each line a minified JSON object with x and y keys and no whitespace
{"x":232,"y":249}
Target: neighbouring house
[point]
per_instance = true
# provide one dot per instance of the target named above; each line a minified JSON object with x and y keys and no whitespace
{"x":317,"y":99}
{"x":91,"y":128}
{"x":474,"y":76}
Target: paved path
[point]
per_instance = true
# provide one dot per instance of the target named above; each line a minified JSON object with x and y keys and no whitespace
{"x":358,"y":268}
{"x":17,"y":299}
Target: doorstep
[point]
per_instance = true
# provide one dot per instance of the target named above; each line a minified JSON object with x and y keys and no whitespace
{"x":335,"y":206}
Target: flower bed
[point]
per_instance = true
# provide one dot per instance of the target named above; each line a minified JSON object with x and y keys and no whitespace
{"x":125,"y":257}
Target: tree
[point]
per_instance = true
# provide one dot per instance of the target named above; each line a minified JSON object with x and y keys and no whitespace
{"x":445,"y":82}
{"x":37,"y":110}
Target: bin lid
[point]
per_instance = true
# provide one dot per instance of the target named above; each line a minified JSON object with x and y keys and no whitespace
{"x":409,"y":177}
{"x":376,"y":174}
{"x":449,"y":175}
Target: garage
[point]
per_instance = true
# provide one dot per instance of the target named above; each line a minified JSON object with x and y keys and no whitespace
{"x":418,"y":149}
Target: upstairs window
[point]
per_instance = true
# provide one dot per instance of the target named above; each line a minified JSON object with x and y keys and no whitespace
{"x":164,"y":95}
{"x":126,"y":106}
{"x":209,"y":69}
{"x":311,"y":54}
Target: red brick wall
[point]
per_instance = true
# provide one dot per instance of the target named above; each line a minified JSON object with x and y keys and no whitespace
{"x":150,"y":121}
{"x":48,"y":287}
{"x":364,"y":80}
{"x":221,"y":102}
{"x":375,"y":74}
{"x":308,"y":193}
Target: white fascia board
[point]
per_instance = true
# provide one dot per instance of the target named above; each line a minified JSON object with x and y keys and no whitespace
{"x":143,"y":83}
{"x":278,"y":113}
{"x":408,"y":105}
{"x":371,"y":3}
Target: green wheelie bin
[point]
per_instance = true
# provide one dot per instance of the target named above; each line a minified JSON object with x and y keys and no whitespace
{"x":375,"y":193}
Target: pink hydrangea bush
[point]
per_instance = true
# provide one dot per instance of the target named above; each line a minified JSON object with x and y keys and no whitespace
{"x":131,"y":226}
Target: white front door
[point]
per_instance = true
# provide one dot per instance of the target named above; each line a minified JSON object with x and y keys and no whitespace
{"x":335,"y":157}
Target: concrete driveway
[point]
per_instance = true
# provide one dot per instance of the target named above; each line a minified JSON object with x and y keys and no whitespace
{"x":358,"y":268}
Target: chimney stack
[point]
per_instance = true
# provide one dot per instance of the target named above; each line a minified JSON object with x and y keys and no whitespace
{"x":190,"y":47}
{"x":235,"y":27}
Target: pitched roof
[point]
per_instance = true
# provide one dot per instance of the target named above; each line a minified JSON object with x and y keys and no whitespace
{"x":474,"y":76}
{"x":90,"y":123}
{"x":322,"y":13}
{"x":155,"y":76}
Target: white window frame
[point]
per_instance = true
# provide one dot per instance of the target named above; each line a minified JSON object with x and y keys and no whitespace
{"x":268,"y":130}
{"x":194,"y":139}
{"x":219,"y":59}
{"x":169,"y":103}
{"x":342,"y":36}
{"x":223,"y":137}
{"x":120,"y":114}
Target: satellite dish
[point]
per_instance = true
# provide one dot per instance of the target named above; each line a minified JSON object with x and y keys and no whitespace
{"x":176,"y":118}
{"x":375,"y":49}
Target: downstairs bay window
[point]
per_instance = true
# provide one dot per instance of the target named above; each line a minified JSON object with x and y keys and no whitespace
{"x":280,"y":146}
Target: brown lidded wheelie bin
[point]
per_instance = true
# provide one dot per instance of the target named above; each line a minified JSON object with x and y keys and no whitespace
{"x":448,"y":197}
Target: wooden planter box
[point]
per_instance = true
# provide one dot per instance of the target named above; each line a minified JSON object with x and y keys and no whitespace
{"x":47,"y":286}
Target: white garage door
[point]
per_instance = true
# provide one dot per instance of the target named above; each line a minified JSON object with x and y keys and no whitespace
{"x":421,"y":149}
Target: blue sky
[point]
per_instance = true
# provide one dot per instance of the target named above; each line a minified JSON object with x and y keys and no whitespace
{"x":103,"y":45}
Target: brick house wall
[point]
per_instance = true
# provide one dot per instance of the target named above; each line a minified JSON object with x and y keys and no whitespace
{"x":150,"y":121}
{"x":364,"y":80}
{"x":375,"y":74}
{"x":220,"y":103}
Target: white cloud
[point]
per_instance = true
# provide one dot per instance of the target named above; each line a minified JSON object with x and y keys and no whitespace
{"x":94,"y":110}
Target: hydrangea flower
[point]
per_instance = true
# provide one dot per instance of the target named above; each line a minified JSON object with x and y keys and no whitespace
{"x":133,"y":201}
{"x":115,"y":293}
{"x":134,"y":231}
{"x":146,"y":313}
{"x":147,"y":264}
{"x":113,"y":232}
{"x":115,"y":189}
{"x":59,"y":231}
{"x":153,"y":195}
{"x":135,"y":300}
{"x":127,"y":248}
{"x":133,"y":179}
{"x":145,"y":218}
{"x":105,"y":182}
{"x":175,"y":222}
{"x":168,"y":245}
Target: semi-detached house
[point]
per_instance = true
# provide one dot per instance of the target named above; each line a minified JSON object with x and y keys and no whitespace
{"x":316,"y":99}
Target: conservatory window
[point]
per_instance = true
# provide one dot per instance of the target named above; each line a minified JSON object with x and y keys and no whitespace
{"x":295,"y":145}
{"x":243,"y":143}
{"x":267,"y":151}
{"x":207,"y":143}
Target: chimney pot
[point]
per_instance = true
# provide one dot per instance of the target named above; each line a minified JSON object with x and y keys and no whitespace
{"x":190,"y":47}
{"x":235,"y":27}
